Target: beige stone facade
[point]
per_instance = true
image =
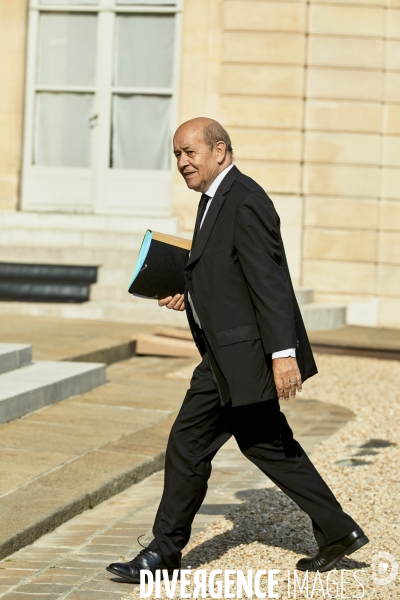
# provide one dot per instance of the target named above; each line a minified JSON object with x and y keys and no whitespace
{"x":310,"y":93}
{"x":13,"y":27}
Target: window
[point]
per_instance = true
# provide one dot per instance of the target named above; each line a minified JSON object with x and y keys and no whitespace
{"x":101,"y":96}
{"x":142,"y":80}
{"x":65,"y":89}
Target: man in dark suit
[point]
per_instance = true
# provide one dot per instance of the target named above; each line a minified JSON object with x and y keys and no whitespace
{"x":247,"y":325}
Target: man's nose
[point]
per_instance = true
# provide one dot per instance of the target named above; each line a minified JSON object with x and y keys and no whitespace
{"x":182,"y":161}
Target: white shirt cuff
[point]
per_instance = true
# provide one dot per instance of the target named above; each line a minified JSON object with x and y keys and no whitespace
{"x":285,"y":353}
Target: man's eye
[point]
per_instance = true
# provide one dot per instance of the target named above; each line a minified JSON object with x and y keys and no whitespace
{"x":189,"y":152}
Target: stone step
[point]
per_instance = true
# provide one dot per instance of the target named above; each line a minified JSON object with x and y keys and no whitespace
{"x":318,"y":316}
{"x":81,"y":223}
{"x":14,"y":356}
{"x":82,"y":231}
{"x":113,"y":286}
{"x":41,"y":383}
{"x":110,"y":257}
{"x":304,"y":295}
{"x":110,"y":293}
{"x":71,"y":238}
{"x":134,"y":310}
{"x":115,"y":267}
{"x":114,"y":274}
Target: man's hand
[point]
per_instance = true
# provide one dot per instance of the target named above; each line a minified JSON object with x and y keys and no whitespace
{"x":176,"y":303}
{"x":287,"y":377}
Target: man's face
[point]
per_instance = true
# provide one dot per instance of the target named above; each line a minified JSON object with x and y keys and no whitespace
{"x":196,"y":162}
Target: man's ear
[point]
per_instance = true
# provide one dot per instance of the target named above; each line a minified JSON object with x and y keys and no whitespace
{"x":221,"y":151}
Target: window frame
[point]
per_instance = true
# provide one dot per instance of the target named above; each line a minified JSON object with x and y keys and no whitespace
{"x":101,"y":175}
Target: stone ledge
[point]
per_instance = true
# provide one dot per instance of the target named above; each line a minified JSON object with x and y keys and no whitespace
{"x":14,"y":356}
{"x":42,"y":383}
{"x":44,"y":511}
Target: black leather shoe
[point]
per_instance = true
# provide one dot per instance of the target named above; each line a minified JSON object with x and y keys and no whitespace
{"x":130,"y":571}
{"x":329,"y":555}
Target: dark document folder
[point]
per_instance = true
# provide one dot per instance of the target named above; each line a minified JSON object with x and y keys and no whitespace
{"x":160,"y":265}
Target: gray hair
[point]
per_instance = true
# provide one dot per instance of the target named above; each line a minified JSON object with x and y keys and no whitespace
{"x":214,"y":133}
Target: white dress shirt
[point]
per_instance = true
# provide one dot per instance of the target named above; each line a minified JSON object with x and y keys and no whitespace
{"x":211,"y":193}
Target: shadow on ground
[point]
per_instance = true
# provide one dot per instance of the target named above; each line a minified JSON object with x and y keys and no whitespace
{"x":266,"y":516}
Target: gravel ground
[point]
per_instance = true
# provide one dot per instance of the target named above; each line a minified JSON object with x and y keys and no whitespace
{"x":268,"y":531}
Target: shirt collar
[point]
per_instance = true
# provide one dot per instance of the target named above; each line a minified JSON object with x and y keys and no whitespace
{"x":216,"y":183}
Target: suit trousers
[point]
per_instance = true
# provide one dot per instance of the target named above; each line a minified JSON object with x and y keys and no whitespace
{"x":263,"y":435}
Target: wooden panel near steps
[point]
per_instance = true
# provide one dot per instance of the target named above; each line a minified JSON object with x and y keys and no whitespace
{"x":158,"y":345}
{"x":174,"y":332}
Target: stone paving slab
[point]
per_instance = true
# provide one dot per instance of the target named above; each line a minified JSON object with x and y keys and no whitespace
{"x":69,"y":563}
{"x":72,"y":339}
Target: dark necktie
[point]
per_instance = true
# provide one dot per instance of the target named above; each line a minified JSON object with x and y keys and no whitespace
{"x":200,"y":214}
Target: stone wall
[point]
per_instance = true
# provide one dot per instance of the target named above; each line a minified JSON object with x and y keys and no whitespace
{"x":351,"y":179}
{"x":249,"y":57}
{"x":310,"y":93}
{"x":263,"y":79}
{"x":13,"y":26}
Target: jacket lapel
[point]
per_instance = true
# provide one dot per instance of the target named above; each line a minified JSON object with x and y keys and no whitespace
{"x":211,"y":216}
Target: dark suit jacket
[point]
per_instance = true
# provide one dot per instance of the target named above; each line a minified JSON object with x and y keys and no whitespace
{"x":240,"y":286}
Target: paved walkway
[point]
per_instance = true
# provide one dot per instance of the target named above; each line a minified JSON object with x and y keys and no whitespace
{"x":69,"y":562}
{"x":71,"y":339}
{"x":65,"y":458}
{"x":69,"y":456}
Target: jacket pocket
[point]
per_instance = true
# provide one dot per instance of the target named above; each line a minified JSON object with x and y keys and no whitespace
{"x":213,"y":250}
{"x":242,"y":333}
